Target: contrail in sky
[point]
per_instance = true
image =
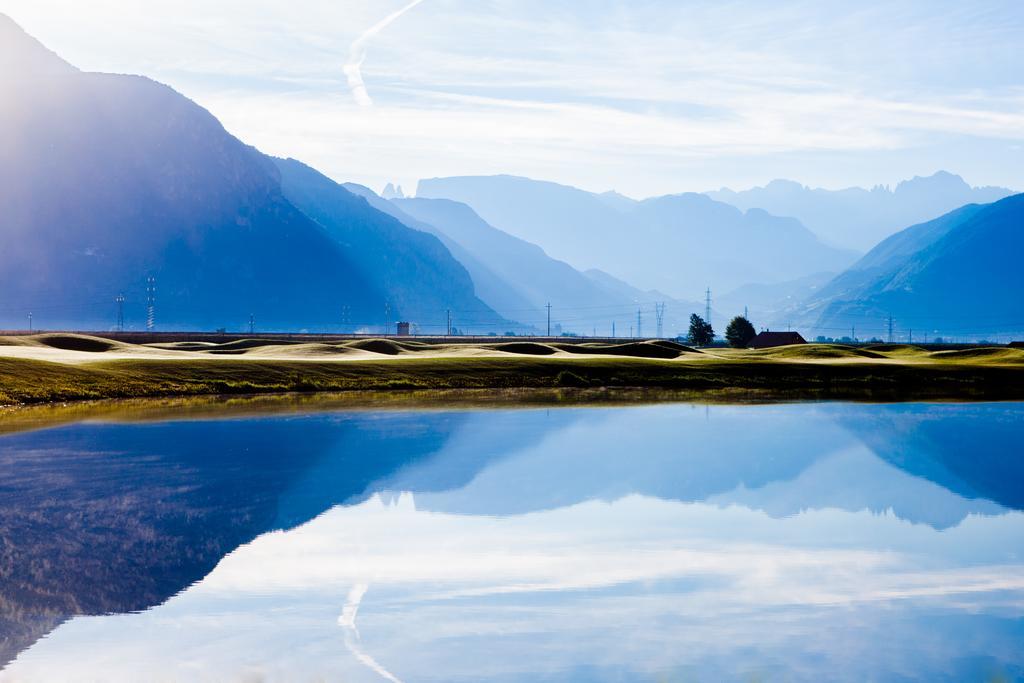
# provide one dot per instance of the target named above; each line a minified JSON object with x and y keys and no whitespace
{"x":357,"y":53}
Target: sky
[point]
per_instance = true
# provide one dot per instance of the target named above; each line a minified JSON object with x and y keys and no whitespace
{"x":646,"y":97}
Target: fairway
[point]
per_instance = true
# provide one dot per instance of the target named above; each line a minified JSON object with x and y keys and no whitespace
{"x":64,"y":367}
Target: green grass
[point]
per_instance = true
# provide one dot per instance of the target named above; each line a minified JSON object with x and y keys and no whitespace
{"x":34,"y":381}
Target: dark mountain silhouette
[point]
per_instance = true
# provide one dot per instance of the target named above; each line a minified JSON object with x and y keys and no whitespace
{"x":859,"y":218}
{"x":958,"y":275}
{"x":107,"y":180}
{"x":679,"y":244}
{"x":418,"y":272}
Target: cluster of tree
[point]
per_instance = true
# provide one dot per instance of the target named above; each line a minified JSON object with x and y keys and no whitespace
{"x":738,"y":333}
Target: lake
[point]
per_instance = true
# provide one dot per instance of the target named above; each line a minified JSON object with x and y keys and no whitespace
{"x":658,"y":542}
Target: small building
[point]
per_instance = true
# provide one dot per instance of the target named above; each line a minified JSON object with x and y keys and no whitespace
{"x":767,"y":340}
{"x":403,"y":329}
{"x":1017,"y":345}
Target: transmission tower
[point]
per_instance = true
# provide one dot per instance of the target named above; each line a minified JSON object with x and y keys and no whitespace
{"x":387,"y":318}
{"x":30,"y":322}
{"x":707,"y":306}
{"x":449,"y":333}
{"x":890,"y":328}
{"x":252,"y":324}
{"x":549,"y":318}
{"x":120,"y":312}
{"x":639,"y":324}
{"x":613,"y":329}
{"x":150,"y":303}
{"x":659,"y":314}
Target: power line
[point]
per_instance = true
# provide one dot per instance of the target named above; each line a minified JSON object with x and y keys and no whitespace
{"x":707,"y":306}
{"x":659,"y":314}
{"x":150,"y":303}
{"x":120,"y":312}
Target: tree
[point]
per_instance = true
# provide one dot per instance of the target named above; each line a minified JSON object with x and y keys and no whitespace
{"x":739,"y":333}
{"x":701,"y":332}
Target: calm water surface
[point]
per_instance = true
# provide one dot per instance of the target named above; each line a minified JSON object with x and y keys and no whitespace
{"x":801,"y":542}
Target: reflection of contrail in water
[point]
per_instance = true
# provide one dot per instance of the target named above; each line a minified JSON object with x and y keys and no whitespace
{"x":347,"y":621}
{"x":357,"y":53}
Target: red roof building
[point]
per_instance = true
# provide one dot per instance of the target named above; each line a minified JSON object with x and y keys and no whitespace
{"x":767,"y":340}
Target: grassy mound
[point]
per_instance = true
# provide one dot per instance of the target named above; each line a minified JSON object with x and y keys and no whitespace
{"x":632,"y":349}
{"x":816,"y":352}
{"x":995,"y":355}
{"x":182,"y":346}
{"x":895,"y":349}
{"x":384,"y":347}
{"x":76,"y":342}
{"x":526,"y":348}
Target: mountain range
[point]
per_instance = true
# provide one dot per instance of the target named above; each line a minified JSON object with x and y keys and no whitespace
{"x":109,"y":180}
{"x":956,"y":276}
{"x":115,"y":185}
{"x":679,"y":244}
{"x":857,"y":218}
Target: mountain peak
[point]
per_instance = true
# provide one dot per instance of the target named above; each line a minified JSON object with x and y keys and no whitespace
{"x":392,"y":192}
{"x":940,"y":180}
{"x":22,"y":54}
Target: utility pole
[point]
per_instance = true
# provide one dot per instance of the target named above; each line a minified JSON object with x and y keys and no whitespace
{"x":746,"y":315}
{"x":252,"y":324}
{"x":613,"y":329}
{"x":120,"y":312}
{"x":853,"y":333}
{"x":707,"y":306}
{"x":449,"y":323}
{"x":30,"y":321}
{"x":890,"y":328}
{"x":910,"y":336}
{"x":387,"y":318}
{"x":150,"y":303}
{"x":659,"y":313}
{"x":549,"y":318}
{"x":639,"y":324}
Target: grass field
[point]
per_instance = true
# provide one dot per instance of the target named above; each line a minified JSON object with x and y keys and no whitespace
{"x":48,"y":368}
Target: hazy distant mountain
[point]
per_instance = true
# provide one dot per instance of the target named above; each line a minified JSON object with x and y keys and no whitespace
{"x":957,"y":276}
{"x":857,"y":218}
{"x":567,"y":223}
{"x":771,"y":305}
{"x":579,"y":302}
{"x":421,"y":277}
{"x":689,"y":239}
{"x":679,"y":244}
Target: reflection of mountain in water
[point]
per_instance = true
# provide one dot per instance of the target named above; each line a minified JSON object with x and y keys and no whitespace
{"x":973,"y":450}
{"x":780,"y":459}
{"x":115,"y":518}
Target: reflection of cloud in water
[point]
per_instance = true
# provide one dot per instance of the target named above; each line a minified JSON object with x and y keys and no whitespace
{"x":687,"y":584}
{"x":347,"y":621}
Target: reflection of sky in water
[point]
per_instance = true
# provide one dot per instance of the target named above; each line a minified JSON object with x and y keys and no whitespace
{"x":653,"y":543}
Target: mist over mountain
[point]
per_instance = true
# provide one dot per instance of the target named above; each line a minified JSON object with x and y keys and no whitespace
{"x":957,"y":276}
{"x":580,"y":302}
{"x":679,"y":244}
{"x":108,"y":180}
{"x":857,"y":218}
{"x":417,"y":271}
